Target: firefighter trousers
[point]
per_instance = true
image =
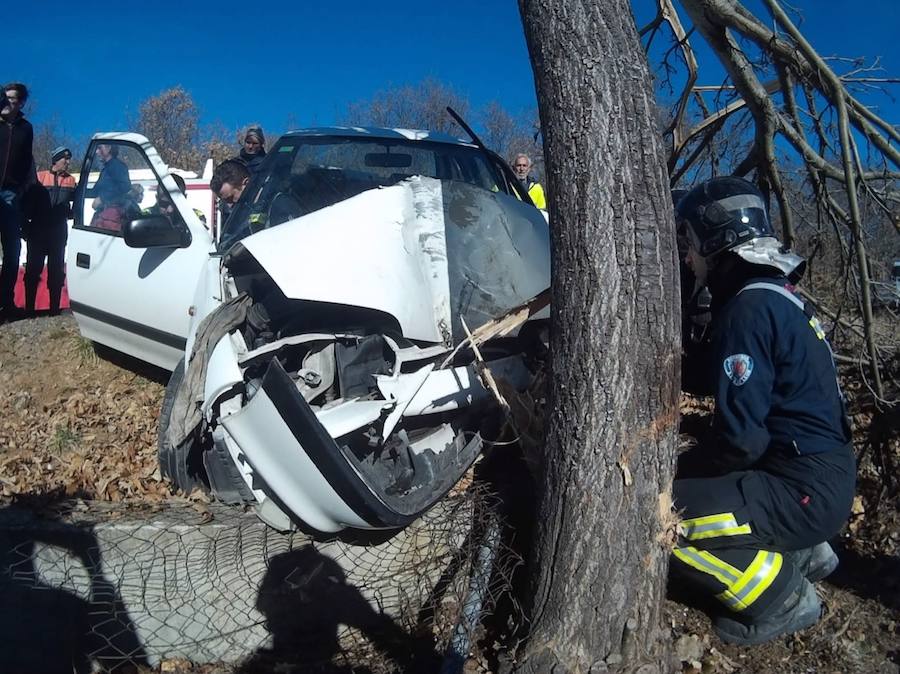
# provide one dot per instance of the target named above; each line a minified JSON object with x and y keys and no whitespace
{"x":735,"y":528}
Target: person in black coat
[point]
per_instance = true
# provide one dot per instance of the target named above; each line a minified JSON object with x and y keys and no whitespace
{"x":49,"y":230}
{"x":16,"y":174}
{"x":253,"y":149}
{"x":774,"y":477}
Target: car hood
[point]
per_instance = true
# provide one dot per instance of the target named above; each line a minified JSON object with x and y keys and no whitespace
{"x":427,"y":252}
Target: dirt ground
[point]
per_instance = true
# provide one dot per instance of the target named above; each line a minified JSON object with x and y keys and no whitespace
{"x":73,"y":424}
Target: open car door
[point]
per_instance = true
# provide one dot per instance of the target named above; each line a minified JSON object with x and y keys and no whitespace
{"x":136,"y":301}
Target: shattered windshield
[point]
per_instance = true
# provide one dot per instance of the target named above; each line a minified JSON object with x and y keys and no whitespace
{"x":307,"y":173}
{"x":304,"y":174}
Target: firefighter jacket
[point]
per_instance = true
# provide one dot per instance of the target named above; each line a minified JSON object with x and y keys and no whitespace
{"x":774,"y":381}
{"x":16,"y":163}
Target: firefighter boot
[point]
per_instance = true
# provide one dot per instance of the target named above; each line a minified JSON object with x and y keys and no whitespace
{"x":814,"y":563}
{"x":801,"y":609}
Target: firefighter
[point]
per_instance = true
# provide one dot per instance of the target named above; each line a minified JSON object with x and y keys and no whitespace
{"x":774,"y":478}
{"x":48,"y":239}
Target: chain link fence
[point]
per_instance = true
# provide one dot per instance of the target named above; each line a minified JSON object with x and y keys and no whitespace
{"x":87,"y":586}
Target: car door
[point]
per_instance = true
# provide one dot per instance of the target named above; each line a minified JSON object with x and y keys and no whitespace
{"x":137,"y":301}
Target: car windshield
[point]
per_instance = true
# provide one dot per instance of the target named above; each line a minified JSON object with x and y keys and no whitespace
{"x":303,"y":174}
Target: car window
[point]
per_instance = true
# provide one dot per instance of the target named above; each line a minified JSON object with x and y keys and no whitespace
{"x":305,"y":174}
{"x":118,"y":184}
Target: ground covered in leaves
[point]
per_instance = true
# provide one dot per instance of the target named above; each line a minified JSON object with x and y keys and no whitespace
{"x":76,"y":425}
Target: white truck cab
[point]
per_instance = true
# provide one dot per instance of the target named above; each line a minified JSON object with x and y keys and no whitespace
{"x":137,"y":301}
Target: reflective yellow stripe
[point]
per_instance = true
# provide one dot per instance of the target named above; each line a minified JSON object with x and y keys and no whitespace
{"x":731,"y":601}
{"x":817,"y":327}
{"x":753,"y":582}
{"x":712,"y":526}
{"x":765,"y":575}
{"x":708,"y":564}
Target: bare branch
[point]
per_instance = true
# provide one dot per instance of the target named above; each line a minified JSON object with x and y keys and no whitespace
{"x":674,"y":21}
{"x":850,"y":178}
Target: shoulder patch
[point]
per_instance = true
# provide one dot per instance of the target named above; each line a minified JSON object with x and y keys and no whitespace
{"x":738,"y":368}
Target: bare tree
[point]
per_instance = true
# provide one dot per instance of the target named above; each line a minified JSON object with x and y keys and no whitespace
{"x":419,"y":106}
{"x":604,"y":524}
{"x":47,"y":137}
{"x":508,"y":135}
{"x":219,"y":142}
{"x":170,"y":120}
{"x":785,"y":89}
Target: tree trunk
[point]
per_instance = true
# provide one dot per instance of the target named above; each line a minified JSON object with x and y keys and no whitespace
{"x":604,"y":524}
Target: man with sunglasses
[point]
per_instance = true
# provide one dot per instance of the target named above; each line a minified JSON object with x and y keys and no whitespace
{"x":774,"y":478}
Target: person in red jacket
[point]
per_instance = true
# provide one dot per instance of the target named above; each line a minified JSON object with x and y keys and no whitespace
{"x":47,"y":240}
{"x":16,"y":174}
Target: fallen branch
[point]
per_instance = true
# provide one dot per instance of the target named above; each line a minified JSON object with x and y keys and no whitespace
{"x":501,"y":325}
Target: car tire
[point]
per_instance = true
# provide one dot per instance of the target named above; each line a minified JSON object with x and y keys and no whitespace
{"x":177,"y":463}
{"x":225,"y":481}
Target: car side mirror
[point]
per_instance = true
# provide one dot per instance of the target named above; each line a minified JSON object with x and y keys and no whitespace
{"x":155,"y":231}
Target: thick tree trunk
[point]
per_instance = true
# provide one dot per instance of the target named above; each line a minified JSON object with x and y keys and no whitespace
{"x":603,"y":524}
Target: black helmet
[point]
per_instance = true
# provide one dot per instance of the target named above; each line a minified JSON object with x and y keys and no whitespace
{"x":723,"y":213}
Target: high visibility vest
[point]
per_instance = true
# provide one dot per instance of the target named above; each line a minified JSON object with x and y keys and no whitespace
{"x":536,"y":192}
{"x":61,"y":186}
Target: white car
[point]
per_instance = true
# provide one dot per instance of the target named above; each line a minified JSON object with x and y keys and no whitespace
{"x":313,"y":338}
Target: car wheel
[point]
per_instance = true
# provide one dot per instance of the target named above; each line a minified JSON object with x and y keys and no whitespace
{"x":225,"y":480}
{"x":180,"y":464}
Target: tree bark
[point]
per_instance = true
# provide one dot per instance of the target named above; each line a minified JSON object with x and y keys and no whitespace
{"x":604,"y":524}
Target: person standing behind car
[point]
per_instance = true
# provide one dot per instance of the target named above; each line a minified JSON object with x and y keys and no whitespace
{"x":253,"y":149}
{"x":522,"y":167}
{"x":16,"y":173}
{"x":49,"y":241}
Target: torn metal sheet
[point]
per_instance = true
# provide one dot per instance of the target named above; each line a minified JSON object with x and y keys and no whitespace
{"x":424,"y":251}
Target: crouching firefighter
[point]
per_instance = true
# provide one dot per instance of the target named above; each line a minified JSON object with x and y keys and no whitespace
{"x":775,"y":476}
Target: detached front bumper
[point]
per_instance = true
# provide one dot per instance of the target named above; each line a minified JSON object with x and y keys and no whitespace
{"x":324,"y":483}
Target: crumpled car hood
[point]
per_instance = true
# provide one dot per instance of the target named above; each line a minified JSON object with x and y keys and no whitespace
{"x":428,"y":252}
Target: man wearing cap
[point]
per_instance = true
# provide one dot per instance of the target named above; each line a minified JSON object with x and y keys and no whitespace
{"x":48,"y":239}
{"x":16,"y":173}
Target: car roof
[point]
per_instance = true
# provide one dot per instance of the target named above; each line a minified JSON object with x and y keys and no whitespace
{"x":380,"y":132}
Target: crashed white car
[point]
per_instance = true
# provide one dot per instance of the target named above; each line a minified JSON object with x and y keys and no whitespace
{"x":314,"y":338}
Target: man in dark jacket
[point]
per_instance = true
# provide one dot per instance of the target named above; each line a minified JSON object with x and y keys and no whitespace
{"x":112,"y":193}
{"x":47,"y":239}
{"x":16,"y":174}
{"x":253,"y":149}
{"x":775,"y":478}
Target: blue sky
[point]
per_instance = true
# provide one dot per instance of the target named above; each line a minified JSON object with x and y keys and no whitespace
{"x":90,"y":64}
